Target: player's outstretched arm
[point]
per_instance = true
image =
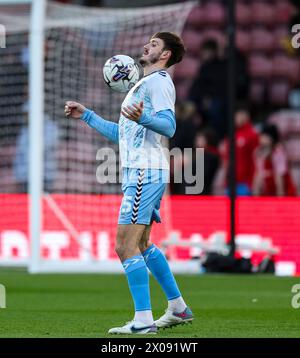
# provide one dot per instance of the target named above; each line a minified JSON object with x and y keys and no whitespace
{"x":107,"y":128}
{"x":74,"y":109}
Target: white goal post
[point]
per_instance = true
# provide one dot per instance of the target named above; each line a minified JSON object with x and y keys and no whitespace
{"x":67,"y":46}
{"x":36,"y":110}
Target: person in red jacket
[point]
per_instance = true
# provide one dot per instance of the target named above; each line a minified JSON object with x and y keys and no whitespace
{"x":246,"y":139}
{"x":272,"y":177}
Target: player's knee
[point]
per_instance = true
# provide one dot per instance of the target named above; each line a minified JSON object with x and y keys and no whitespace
{"x":144,"y":245}
{"x":126,"y":249}
{"x":120,"y":249}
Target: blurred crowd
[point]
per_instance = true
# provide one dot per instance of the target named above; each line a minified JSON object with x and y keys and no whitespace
{"x":265,"y":144}
{"x":262,"y":163}
{"x":267,"y":122}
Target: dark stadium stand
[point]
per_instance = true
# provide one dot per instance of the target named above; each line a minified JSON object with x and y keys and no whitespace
{"x":262,"y":27}
{"x":262,"y":33}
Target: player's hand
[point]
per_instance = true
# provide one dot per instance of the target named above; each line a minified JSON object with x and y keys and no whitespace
{"x":74,"y":109}
{"x":133,"y":112}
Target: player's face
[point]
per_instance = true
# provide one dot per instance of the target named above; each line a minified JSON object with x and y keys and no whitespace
{"x":152,"y":52}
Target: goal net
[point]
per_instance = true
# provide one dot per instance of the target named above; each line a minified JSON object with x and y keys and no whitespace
{"x":79,"y":209}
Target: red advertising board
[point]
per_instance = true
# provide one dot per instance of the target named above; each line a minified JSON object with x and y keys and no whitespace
{"x":93,"y":219}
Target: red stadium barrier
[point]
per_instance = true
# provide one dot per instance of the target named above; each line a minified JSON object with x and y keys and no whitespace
{"x":274,"y":218}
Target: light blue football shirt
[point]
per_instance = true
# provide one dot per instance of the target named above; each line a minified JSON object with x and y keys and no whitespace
{"x":141,"y":147}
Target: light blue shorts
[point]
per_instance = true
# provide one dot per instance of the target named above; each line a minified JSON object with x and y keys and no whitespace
{"x":143,"y":190}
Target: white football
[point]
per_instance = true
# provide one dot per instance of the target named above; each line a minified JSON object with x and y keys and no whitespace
{"x":121,"y":73}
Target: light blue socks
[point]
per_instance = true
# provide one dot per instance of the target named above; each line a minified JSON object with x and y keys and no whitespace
{"x":159,"y":267}
{"x":138,"y":281}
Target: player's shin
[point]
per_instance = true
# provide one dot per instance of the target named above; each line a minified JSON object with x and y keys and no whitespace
{"x":160,"y":269}
{"x":138,"y":282}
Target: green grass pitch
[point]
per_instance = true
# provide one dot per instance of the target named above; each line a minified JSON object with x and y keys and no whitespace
{"x":88,"y":305}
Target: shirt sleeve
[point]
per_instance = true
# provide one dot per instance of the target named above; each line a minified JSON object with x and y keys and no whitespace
{"x":162,"y":123}
{"x":109,"y":129}
{"x":162,"y":93}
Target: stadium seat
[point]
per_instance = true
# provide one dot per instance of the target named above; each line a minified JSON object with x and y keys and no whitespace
{"x":262,"y":39}
{"x":7,"y":155}
{"x":260,"y":66}
{"x":192,"y":40}
{"x":257,"y":92}
{"x":295,"y":123}
{"x":262,"y":13}
{"x":294,"y":70}
{"x":182,"y":89}
{"x":196,"y":18}
{"x":187,"y":69}
{"x":8,"y":180}
{"x":285,"y":66}
{"x":278,"y":92}
{"x":293,"y":150}
{"x":282,"y":11}
{"x":295,"y":172}
{"x":280,"y":33}
{"x":280,"y":66}
{"x":214,"y":13}
{"x":243,"y":40}
{"x":243,"y":14}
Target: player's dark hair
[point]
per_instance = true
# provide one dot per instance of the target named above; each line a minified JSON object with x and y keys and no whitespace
{"x":173,"y":43}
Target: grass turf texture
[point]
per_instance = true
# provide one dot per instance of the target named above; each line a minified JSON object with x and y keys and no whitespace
{"x":88,"y":305}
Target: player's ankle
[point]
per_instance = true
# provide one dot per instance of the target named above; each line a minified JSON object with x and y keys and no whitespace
{"x":177,"y":305}
{"x":145,"y":317}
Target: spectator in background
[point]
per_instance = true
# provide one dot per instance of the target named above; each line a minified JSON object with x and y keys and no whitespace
{"x":209,"y":89}
{"x":185,"y":126}
{"x":272,"y":177}
{"x":246,"y":139}
{"x":21,"y":162}
{"x":207,"y":140}
{"x":242,"y":77}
